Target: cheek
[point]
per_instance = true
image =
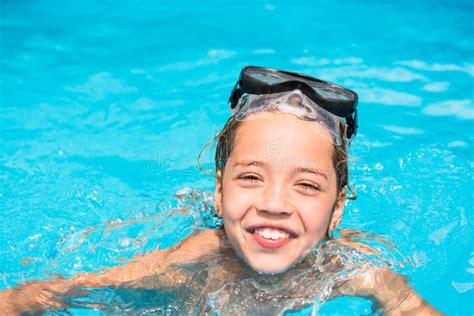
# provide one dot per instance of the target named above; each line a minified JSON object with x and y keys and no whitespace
{"x":315,"y":218}
{"x":235,"y":201}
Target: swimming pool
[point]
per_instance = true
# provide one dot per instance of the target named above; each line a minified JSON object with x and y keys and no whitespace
{"x":105,"y":106}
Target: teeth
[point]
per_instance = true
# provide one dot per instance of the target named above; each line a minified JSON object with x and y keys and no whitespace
{"x":271,"y":233}
{"x":275,"y":234}
{"x":267,"y":233}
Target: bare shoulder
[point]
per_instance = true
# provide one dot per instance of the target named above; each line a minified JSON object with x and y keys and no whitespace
{"x":196,"y":245}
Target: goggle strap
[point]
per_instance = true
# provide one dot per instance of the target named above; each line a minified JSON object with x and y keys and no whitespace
{"x":235,"y":95}
{"x":351,"y":122}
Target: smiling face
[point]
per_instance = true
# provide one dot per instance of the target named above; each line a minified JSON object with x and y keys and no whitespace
{"x":278,"y":190}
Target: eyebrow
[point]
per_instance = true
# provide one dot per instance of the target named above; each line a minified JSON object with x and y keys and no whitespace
{"x":311,"y":170}
{"x":248,"y":163}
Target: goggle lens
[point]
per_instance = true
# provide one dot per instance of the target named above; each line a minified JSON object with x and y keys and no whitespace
{"x":266,"y":76}
{"x":326,"y":90}
{"x":330,"y":92}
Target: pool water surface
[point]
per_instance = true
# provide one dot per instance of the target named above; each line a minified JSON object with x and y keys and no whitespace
{"x":104,"y":107}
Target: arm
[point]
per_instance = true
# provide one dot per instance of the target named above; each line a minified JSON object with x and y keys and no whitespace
{"x":35,"y":297}
{"x":390,"y":291}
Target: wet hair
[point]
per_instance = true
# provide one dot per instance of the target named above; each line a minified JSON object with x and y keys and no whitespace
{"x":226,"y":140}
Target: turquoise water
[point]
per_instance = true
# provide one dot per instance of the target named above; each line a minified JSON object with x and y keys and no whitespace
{"x":105,"y":105}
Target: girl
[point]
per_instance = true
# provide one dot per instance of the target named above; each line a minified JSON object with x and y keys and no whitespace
{"x":281,"y":179}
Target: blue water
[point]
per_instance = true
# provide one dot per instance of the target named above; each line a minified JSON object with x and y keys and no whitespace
{"x":104,"y":106}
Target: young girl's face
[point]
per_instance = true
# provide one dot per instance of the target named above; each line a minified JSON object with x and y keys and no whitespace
{"x":278,"y":190}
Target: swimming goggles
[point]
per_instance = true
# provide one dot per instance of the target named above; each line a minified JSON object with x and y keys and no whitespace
{"x":265,"y":89}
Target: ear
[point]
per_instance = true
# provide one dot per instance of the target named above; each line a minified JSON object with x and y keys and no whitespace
{"x":338,"y":210}
{"x":218,"y":192}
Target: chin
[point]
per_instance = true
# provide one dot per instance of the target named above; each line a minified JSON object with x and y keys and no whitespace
{"x":269,"y":266}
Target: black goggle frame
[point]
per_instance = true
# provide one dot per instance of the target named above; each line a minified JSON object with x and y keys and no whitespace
{"x":346,"y":109}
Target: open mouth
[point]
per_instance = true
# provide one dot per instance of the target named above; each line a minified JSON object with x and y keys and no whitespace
{"x":271,"y":237}
{"x":271,"y":233}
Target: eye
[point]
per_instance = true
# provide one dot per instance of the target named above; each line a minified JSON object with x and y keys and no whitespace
{"x":249,"y":178}
{"x":309,"y":187}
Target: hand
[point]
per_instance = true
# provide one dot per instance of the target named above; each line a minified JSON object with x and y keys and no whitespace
{"x":32,"y":297}
{"x":6,"y":304}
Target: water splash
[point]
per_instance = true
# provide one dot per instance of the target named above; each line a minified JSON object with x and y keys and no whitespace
{"x":221,"y":283}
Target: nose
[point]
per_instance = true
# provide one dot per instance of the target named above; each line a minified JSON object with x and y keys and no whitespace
{"x":274,"y":201}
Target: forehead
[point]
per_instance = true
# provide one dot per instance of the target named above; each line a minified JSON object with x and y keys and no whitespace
{"x":282,"y":137}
